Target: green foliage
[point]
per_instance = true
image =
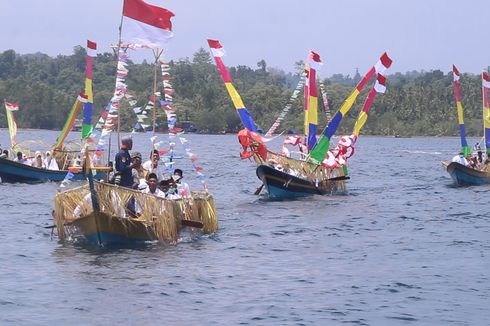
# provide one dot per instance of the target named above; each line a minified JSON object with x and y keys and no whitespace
{"x":415,"y":103}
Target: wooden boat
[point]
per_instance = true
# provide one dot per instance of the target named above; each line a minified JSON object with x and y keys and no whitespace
{"x":465,"y":175}
{"x":110,"y":223}
{"x":460,"y":173}
{"x":281,"y":185}
{"x":14,"y":172}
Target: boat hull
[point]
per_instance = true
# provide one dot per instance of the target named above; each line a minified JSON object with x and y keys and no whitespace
{"x":102,"y":230}
{"x":280,"y":185}
{"x":14,"y":172}
{"x":465,"y":176}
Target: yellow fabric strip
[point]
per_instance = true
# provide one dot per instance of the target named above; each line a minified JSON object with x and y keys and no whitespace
{"x":349,"y":102}
{"x":459,"y":107}
{"x":361,"y":120}
{"x":235,"y":97}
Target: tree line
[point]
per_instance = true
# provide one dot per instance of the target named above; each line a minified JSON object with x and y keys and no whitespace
{"x":415,"y":103}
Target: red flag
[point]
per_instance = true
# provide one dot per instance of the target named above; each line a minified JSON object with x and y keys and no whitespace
{"x":146,"y":24}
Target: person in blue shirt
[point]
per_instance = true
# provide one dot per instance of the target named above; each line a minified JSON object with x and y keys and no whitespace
{"x":123,"y":164}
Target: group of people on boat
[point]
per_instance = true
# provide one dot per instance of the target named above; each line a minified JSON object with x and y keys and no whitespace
{"x":39,"y":160}
{"x":473,"y":160}
{"x":148,"y":177}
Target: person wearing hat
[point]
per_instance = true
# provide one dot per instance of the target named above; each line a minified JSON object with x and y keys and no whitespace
{"x":123,"y":164}
{"x":460,"y":159}
{"x":138,"y":172}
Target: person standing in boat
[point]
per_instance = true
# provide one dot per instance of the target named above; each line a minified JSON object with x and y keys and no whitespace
{"x":153,"y":166}
{"x":124,"y":167}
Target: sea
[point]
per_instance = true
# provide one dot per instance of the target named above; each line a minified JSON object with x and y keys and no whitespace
{"x":403,"y":246}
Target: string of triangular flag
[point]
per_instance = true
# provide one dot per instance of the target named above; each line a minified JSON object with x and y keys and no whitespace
{"x":166,"y":104}
{"x":288,"y":106}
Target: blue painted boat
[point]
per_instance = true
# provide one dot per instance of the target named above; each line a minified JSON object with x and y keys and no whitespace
{"x":466,"y":176}
{"x":14,"y":172}
{"x":281,"y":185}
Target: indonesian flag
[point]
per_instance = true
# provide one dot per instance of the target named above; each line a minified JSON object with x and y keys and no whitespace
{"x":485,"y":80}
{"x":146,"y":24}
{"x":380,"y":84}
{"x":315,"y":61}
{"x":11,"y":106}
{"x":456,"y":73}
{"x":91,"y":49}
{"x":383,"y":64}
{"x":216,"y":48}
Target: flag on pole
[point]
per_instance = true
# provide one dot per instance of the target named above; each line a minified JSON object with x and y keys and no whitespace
{"x":11,"y":106}
{"x":145,"y":24}
{"x":459,"y":108}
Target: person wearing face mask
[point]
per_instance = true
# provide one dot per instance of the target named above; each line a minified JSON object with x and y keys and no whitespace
{"x":182,"y":187}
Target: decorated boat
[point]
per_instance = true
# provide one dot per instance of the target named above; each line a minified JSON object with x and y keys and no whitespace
{"x":319,"y":169}
{"x":62,"y":159}
{"x":101,"y":217}
{"x":471,"y":168}
{"x":106,"y":215}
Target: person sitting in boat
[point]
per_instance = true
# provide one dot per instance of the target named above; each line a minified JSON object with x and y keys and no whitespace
{"x":460,"y":159}
{"x":50,"y":162}
{"x":5,"y":154}
{"x":152,"y":188}
{"x":182,"y":187}
{"x":124,"y":168}
{"x":153,"y":166}
{"x":38,"y":161}
{"x":472,"y":162}
{"x":172,"y":190}
{"x":22,"y":158}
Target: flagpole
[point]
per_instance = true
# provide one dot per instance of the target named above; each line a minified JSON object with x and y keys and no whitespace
{"x":117,"y":56}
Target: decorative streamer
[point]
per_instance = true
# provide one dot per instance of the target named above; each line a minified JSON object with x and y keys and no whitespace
{"x":166,"y":104}
{"x":10,"y":108}
{"x":77,"y":106}
{"x":120,"y":92}
{"x":89,"y":103}
{"x":459,"y":107}
{"x":379,"y":87}
{"x":218,"y":51}
{"x":326,"y":104}
{"x":311,"y":117}
{"x":485,"y":79}
{"x":318,"y":153}
{"x":288,"y":106}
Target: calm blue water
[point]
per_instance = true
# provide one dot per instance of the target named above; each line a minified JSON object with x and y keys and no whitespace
{"x":404,"y":247}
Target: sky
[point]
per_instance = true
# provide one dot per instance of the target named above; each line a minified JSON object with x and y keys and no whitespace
{"x":348,"y":34}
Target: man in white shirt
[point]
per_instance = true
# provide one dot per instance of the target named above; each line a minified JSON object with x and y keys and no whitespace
{"x":460,"y":159}
{"x":152,"y":165}
{"x":182,"y":187}
{"x":153,"y":186}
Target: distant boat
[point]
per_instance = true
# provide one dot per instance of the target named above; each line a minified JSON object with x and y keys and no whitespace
{"x":465,"y":174}
{"x":14,"y":172}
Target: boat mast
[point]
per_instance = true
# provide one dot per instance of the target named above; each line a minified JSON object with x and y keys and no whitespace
{"x":156,"y":53}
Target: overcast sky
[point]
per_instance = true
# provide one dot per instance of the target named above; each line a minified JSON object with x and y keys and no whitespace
{"x":348,"y":34}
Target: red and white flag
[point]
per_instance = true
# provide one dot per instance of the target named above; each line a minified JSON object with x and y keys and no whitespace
{"x":314,"y":60}
{"x":146,"y":24}
{"x":216,"y":48}
{"x":485,"y":80}
{"x":456,"y":73}
{"x":11,"y":106}
{"x":91,"y":49}
{"x":383,"y":64}
{"x":380,"y":84}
